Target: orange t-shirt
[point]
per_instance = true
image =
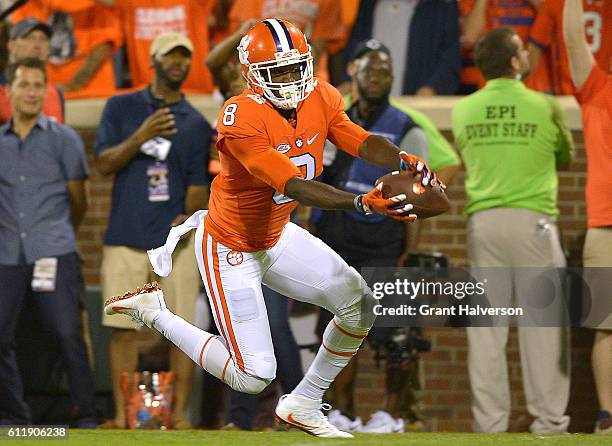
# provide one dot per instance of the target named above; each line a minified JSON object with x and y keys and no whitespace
{"x":350,"y":9}
{"x":547,"y":33}
{"x":517,"y":14}
{"x":595,"y":98}
{"x":317,"y":19}
{"x":78,"y":27}
{"x":260,"y":151}
{"x":53,"y":106}
{"x":143,"y":20}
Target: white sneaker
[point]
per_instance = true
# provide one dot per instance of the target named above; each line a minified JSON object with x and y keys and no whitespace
{"x":344,"y":423}
{"x":143,"y":305}
{"x":305,"y":414}
{"x":399,"y":426}
{"x":382,"y":422}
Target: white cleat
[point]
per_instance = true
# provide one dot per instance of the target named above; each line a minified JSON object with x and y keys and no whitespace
{"x":305,"y":414}
{"x":143,"y":305}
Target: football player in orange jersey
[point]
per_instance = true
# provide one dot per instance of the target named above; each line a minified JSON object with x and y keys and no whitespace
{"x":270,"y":145}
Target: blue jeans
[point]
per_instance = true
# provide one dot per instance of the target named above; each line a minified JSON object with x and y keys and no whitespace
{"x":289,"y":364}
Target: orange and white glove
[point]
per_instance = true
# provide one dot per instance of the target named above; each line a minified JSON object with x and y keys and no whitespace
{"x":418,"y":166}
{"x":374,"y":203}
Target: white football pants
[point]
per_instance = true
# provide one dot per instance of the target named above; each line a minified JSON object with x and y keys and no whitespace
{"x":299,"y":266}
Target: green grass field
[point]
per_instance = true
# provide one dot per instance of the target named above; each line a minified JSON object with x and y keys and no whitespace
{"x":223,"y":438}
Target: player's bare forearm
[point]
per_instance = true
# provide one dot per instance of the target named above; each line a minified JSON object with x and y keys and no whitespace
{"x":380,"y":151}
{"x":580,"y":57}
{"x":320,"y":195}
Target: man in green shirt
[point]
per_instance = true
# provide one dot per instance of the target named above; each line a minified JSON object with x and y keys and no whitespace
{"x":512,"y":141}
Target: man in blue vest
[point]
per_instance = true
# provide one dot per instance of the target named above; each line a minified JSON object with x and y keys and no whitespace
{"x":377,"y":241}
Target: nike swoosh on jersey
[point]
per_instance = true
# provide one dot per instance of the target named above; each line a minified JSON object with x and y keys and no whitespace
{"x":311,"y":140}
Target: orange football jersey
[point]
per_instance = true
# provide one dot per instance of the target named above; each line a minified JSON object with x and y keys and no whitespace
{"x":547,"y":33}
{"x":260,"y":151}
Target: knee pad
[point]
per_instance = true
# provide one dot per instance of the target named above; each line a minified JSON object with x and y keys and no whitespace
{"x":360,"y":314}
{"x":260,"y":371}
{"x":355,"y":307}
{"x":246,"y":383}
{"x":262,"y":366}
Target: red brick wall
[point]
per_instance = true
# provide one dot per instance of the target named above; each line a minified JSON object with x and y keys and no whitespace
{"x":91,"y":233}
{"x":446,"y":396}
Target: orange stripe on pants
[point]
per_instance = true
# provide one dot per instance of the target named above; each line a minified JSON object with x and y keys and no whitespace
{"x":225,"y":311}
{"x":202,"y":351}
{"x":225,"y":369}
{"x":212,"y":293}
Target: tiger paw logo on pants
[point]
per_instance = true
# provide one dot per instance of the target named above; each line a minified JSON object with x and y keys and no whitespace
{"x":234,"y":258}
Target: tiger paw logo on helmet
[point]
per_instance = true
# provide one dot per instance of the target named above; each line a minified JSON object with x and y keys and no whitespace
{"x":234,"y":258}
{"x":243,"y":52}
{"x":269,"y":45}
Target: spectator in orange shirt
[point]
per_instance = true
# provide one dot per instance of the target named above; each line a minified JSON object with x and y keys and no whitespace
{"x":85,"y":35}
{"x":481,"y":16}
{"x":219,"y":23}
{"x":547,"y":50}
{"x":30,"y":38}
{"x":337,"y":67}
{"x":320,"y":20}
{"x":144,"y":20}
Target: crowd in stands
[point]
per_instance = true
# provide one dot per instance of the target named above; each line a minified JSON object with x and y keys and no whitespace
{"x":145,"y":55}
{"x":99,"y":46}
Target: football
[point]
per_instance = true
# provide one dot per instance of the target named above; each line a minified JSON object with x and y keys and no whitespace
{"x":427,"y":201}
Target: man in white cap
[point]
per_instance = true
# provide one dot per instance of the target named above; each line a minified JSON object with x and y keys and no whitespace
{"x":157,"y":145}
